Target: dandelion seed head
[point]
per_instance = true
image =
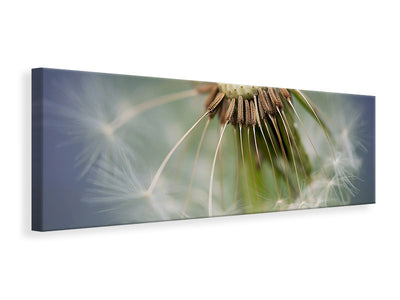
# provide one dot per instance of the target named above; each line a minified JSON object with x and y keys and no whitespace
{"x":318,"y":191}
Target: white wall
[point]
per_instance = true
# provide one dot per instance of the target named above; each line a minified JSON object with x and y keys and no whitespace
{"x":338,"y":253}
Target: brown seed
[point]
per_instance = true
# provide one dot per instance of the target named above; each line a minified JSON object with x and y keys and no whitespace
{"x":285,"y":94}
{"x":261,"y":111}
{"x":233,"y":119}
{"x":223,"y":110}
{"x":215,"y":103}
{"x":268,"y":104}
{"x":240,"y":114}
{"x":261,"y":100}
{"x":247,"y":112}
{"x":275,"y":98}
{"x":253,"y":120}
{"x":211,"y":97}
{"x":230,"y":112}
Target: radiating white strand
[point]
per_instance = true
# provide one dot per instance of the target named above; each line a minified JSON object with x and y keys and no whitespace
{"x":165,"y":161}
{"x":210,"y":210}
{"x":127,"y":115}
{"x":320,"y":123}
{"x":291,"y":149}
{"x":194,"y":166}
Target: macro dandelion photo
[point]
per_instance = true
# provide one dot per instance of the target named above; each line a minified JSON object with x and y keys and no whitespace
{"x":117,"y":149}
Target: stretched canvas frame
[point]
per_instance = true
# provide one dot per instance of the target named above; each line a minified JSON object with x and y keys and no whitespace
{"x":114,"y":149}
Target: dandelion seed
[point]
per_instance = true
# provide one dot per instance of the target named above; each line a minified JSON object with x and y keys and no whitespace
{"x":86,"y":121}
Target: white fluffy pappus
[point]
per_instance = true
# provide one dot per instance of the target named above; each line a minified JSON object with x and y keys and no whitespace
{"x":347,"y":131}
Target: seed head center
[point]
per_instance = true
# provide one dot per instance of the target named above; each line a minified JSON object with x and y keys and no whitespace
{"x":236,"y":90}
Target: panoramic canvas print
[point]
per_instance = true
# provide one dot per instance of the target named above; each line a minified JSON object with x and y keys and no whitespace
{"x":115,"y":149}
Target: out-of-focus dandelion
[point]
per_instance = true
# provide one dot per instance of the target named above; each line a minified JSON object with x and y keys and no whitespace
{"x":275,"y":150}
